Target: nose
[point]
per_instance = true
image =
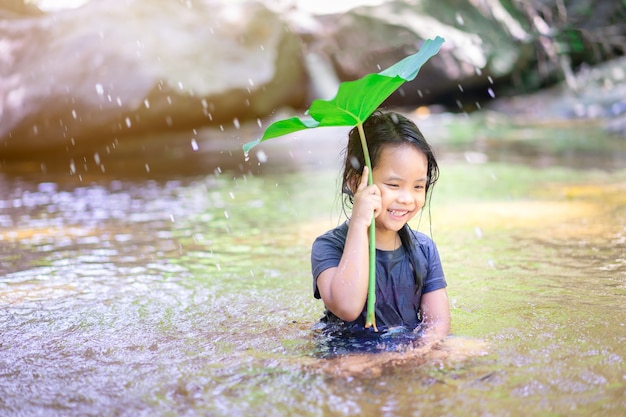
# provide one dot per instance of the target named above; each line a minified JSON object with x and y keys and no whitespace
{"x":404,"y":196}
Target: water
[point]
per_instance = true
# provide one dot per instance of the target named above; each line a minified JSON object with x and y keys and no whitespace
{"x":127,"y":293}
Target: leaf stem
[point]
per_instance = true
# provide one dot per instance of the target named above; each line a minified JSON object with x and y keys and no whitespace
{"x":370,"y":320}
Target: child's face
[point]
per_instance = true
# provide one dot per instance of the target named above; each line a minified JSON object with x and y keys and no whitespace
{"x":401,"y":175}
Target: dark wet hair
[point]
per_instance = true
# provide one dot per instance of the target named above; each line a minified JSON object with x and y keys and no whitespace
{"x":381,"y":130}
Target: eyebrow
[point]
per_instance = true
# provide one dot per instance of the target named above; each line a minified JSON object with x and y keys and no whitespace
{"x":423,"y":179}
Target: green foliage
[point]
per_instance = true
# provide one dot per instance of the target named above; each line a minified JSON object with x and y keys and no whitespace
{"x":355,"y":100}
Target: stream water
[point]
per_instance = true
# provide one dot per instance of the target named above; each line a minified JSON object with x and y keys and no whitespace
{"x":148,"y":286}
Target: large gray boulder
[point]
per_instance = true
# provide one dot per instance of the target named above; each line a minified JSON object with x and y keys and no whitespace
{"x":482,"y":45}
{"x":112,"y":69}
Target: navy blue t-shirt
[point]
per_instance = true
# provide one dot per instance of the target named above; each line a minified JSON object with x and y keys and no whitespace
{"x":398,"y":291}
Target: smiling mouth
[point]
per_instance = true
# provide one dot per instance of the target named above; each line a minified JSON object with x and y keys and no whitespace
{"x":398,"y":213}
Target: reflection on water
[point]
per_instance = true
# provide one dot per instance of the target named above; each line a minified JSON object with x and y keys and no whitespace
{"x":191,"y":296}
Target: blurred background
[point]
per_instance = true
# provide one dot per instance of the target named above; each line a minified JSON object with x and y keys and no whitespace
{"x":81,"y":77}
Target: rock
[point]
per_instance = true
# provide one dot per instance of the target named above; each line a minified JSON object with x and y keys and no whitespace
{"x":371,"y":38}
{"x":112,"y":69}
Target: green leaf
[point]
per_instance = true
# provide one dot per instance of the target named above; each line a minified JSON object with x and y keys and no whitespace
{"x":355,"y":100}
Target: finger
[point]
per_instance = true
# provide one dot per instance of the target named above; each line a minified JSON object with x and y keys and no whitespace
{"x":364,"y":176}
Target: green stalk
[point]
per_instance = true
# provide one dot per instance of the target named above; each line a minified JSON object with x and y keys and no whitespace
{"x":370,"y":320}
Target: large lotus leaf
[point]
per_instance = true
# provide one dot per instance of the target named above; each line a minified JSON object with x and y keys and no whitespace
{"x":355,"y":100}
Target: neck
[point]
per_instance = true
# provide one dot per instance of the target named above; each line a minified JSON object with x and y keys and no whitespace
{"x":387,"y":241}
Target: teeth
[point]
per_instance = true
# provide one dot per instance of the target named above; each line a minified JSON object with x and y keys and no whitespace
{"x":398,"y":213}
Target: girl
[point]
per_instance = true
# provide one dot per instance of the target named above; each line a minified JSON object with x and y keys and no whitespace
{"x":410,"y":284}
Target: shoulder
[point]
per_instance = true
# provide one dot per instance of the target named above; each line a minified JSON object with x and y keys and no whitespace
{"x":422,"y":240}
{"x":335,"y":236}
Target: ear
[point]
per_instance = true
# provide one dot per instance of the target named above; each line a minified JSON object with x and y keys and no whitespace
{"x":351,"y":185}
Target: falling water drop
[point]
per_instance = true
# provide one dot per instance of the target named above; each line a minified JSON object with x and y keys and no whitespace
{"x":236,"y":123}
{"x":226,"y":214}
{"x":194,"y":144}
{"x":119,"y":101}
{"x":128,"y":122}
{"x":146,"y":103}
{"x":490,"y":79}
{"x":180,"y":85}
{"x":491,"y":93}
{"x":96,"y":158}
{"x":74,"y":114}
{"x":261,"y":156}
{"x":72,"y":167}
{"x":259,"y":122}
{"x":232,"y":195}
{"x":147,"y":168}
{"x":99,"y":89}
{"x":251,"y":82}
{"x":460,"y":88}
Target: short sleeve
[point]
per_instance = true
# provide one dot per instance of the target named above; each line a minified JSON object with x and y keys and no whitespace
{"x":435,"y":278}
{"x":326,"y":253}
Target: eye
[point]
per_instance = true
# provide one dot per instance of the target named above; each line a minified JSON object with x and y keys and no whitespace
{"x":392,"y":185}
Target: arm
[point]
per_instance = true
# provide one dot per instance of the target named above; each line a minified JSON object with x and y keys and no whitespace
{"x":436,"y":316}
{"x":344,"y":288}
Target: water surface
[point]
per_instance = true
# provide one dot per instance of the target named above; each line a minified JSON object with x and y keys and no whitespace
{"x":135,"y":292}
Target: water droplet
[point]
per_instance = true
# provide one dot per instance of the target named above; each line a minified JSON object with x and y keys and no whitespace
{"x":236,"y":123}
{"x":96,"y":158}
{"x":119,"y":102}
{"x":251,"y":82}
{"x":180,"y":85}
{"x":74,"y":114}
{"x":226,"y":214}
{"x":128,"y":122}
{"x":490,"y":79}
{"x":169,"y":121}
{"x":460,"y":88}
{"x":72,"y":167}
{"x":491,"y":93}
{"x":262,"y":47}
{"x":146,"y":103}
{"x":194,"y":144}
{"x":169,"y":100}
{"x":261,"y":156}
{"x":232,"y":195}
{"x":99,"y":89}
{"x":459,"y":19}
{"x":172,"y":218}
{"x":218,"y":171}
{"x":147,"y":168}
{"x":259,"y":122}
{"x":478,"y":71}
{"x":35,"y":130}
{"x":246,"y":156}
